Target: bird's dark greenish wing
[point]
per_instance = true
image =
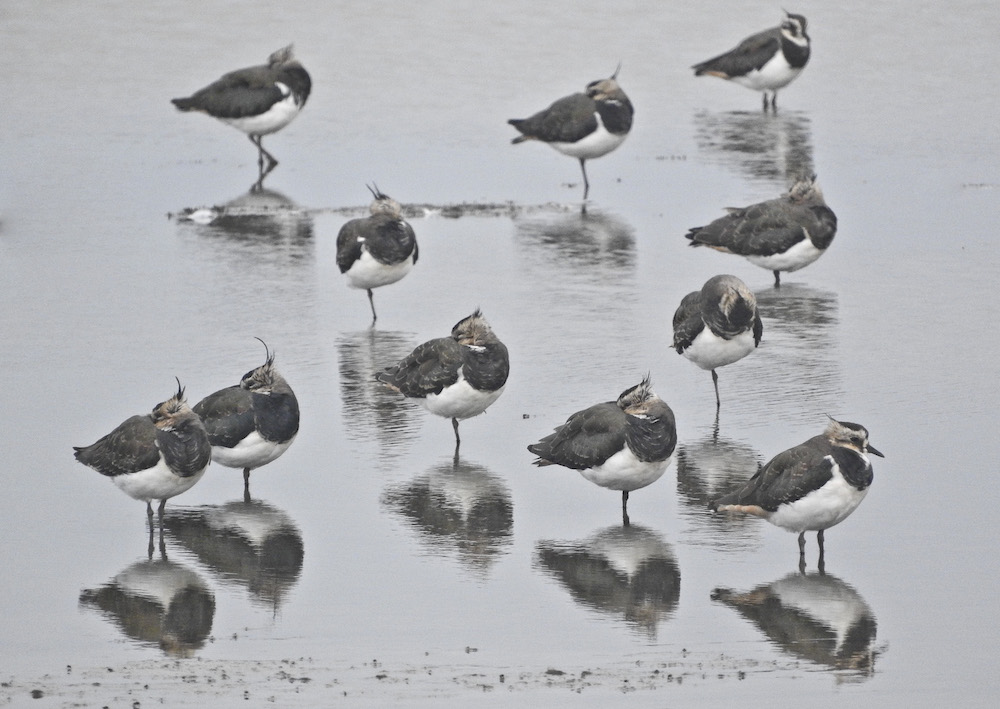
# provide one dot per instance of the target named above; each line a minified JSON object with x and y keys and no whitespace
{"x":427,"y":370}
{"x":587,"y":439}
{"x":227,"y":415}
{"x":129,"y":448}
{"x":566,"y":121}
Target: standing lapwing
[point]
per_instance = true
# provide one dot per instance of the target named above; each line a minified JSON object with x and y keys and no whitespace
{"x":376,"y":250}
{"x":258,"y":100}
{"x":766,"y":61}
{"x":456,"y":377}
{"x":717,"y":325}
{"x":620,"y":445}
{"x":783,"y":234}
{"x":582,"y":125}
{"x":810,"y":487}
{"x":154,"y":456}
{"x":252,"y":423}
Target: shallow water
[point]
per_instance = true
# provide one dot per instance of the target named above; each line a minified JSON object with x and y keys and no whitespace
{"x":369,"y":561}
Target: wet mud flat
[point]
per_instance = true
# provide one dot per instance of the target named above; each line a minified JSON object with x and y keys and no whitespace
{"x":313,"y":682}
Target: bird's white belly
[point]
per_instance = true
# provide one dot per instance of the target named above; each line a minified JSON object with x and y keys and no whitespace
{"x":252,"y":452}
{"x":799,"y":256}
{"x":273,"y":119}
{"x":460,"y":401}
{"x":777,"y":73}
{"x":623,"y":471}
{"x":710,"y":351}
{"x":156,"y":483}
{"x":820,"y":509}
{"x":367,"y":272}
{"x":600,"y":142}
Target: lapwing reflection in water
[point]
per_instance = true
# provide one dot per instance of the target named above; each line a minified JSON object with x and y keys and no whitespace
{"x":706,"y":468}
{"x":157,"y":602}
{"x":571,"y":242}
{"x":627,"y":573}
{"x":815,"y":617}
{"x":766,"y":149}
{"x":457,"y":509}
{"x":251,"y":544}
{"x":373,"y":412}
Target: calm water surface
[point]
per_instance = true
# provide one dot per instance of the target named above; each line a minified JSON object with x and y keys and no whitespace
{"x":367,"y":550}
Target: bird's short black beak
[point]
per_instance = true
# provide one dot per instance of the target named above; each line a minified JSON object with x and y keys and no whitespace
{"x":875,"y":451}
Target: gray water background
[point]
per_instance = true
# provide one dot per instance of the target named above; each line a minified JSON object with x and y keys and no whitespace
{"x":391,"y":552}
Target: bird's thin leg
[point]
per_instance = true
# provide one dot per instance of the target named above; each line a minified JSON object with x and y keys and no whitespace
{"x":819,"y":541}
{"x":261,"y":154}
{"x":765,"y":102}
{"x":777,"y":279}
{"x":774,"y":102}
{"x":149,"y":512}
{"x":625,"y":520}
{"x":371,"y":302}
{"x":802,"y":552}
{"x":246,"y":484}
{"x":159,"y":511}
{"x":458,"y":441}
{"x":715,"y":381}
{"x":586,"y":183}
{"x":149,"y":551}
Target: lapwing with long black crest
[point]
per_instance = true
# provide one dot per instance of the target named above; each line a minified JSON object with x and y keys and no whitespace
{"x":378,"y":249}
{"x":582,"y":125}
{"x":257,"y":100}
{"x":623,"y":445}
{"x":252,"y":423}
{"x":456,"y":377}
{"x":153,"y":456}
{"x":810,"y":487}
{"x":717,"y":325}
{"x":783,"y":234}
{"x":766,"y":61}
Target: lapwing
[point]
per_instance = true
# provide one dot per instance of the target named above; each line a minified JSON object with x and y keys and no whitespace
{"x":258,"y":100}
{"x":766,"y":61}
{"x":456,"y":377}
{"x":376,"y":250}
{"x":783,"y":234}
{"x":810,"y":487}
{"x":252,"y":423}
{"x":582,"y":125}
{"x":622,"y":445}
{"x":154,"y":456}
{"x":717,"y":325}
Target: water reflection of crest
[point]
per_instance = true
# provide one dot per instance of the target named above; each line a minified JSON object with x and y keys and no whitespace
{"x":706,"y":469}
{"x":371,"y":410}
{"x":801,"y":345}
{"x":250,"y":543}
{"x":569,"y":241}
{"x":816,"y":617}
{"x":621,"y":571}
{"x":776,"y":149}
{"x":157,"y":602}
{"x":457,"y":508}
{"x":258,"y":221}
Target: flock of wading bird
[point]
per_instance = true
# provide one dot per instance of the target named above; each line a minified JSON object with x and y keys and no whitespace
{"x":624,"y":444}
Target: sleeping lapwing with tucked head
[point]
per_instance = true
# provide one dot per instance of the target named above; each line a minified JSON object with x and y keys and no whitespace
{"x":620,"y":445}
{"x":582,"y":125}
{"x":717,"y":325}
{"x":376,"y":250}
{"x":810,"y":487}
{"x":252,"y":423}
{"x":456,"y":377}
{"x":766,"y":61}
{"x":783,"y":234}
{"x":258,"y":100}
{"x":154,"y":456}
